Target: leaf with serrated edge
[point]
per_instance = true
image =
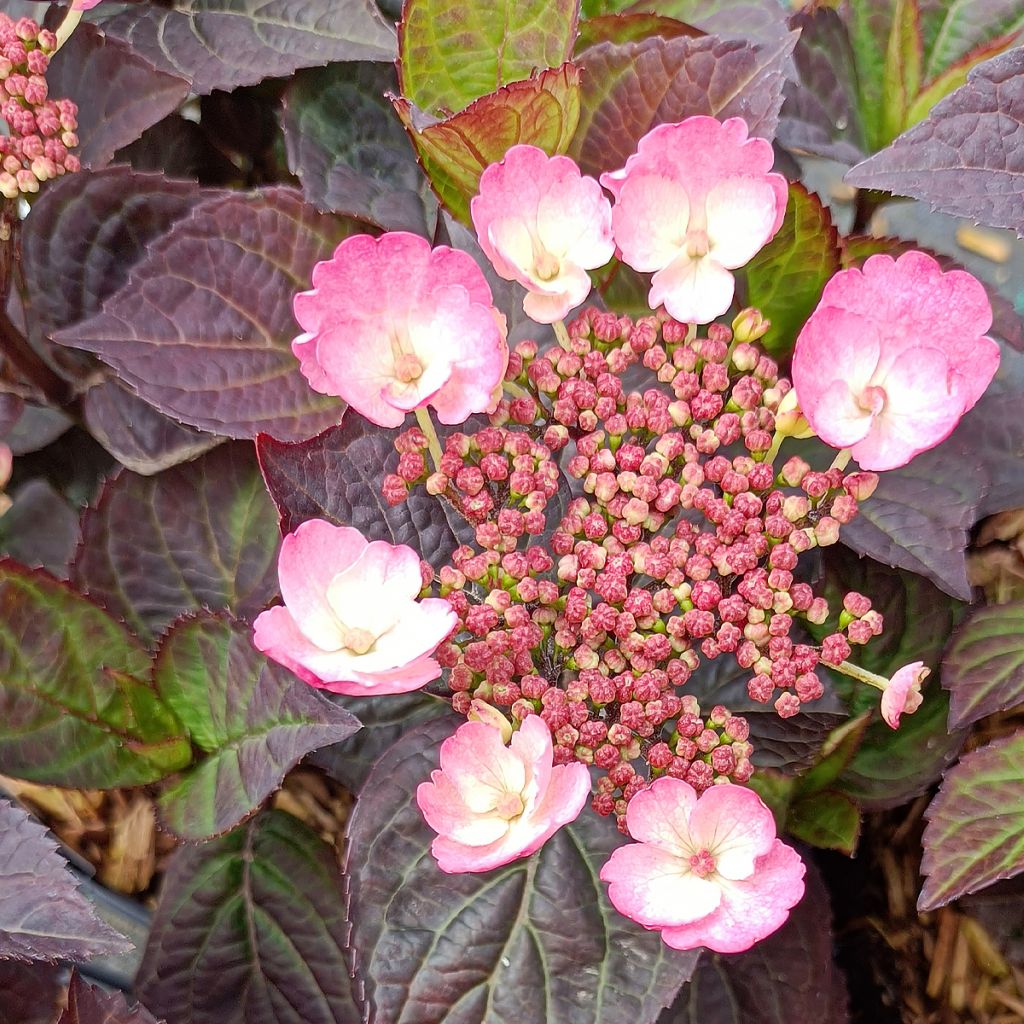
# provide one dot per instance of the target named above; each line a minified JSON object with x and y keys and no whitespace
{"x":74,"y":710}
{"x":119,"y":93}
{"x":252,"y":717}
{"x":827,"y":820}
{"x":266,"y":906}
{"x":983,"y":667}
{"x":786,"y":278}
{"x":628,"y":89}
{"x":540,"y":111}
{"x":451,"y":53}
{"x":348,"y":150}
{"x":201,"y":535}
{"x":963,"y":159}
{"x":43,"y":916}
{"x":40,"y":528}
{"x":532,"y":941}
{"x":203,"y":328}
{"x":88,"y":1004}
{"x":222,"y":44}
{"x":975,"y":830}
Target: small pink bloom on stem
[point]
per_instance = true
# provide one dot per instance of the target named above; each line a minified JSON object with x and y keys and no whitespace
{"x":351,"y":622}
{"x":392,"y":325}
{"x":695,"y":201}
{"x":705,"y":871}
{"x":543,"y":224}
{"x":893,"y":356}
{"x":491,"y":804}
{"x":903,"y":694}
{"x":85,"y":5}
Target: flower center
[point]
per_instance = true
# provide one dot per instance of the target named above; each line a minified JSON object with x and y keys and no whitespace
{"x":510,"y":806}
{"x":872,"y":399}
{"x":357,"y":640}
{"x":702,"y":864}
{"x":697,"y":244}
{"x":546,"y":266}
{"x":408,"y":368}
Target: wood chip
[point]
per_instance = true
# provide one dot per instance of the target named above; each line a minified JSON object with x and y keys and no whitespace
{"x":984,"y":243}
{"x":131,"y":854}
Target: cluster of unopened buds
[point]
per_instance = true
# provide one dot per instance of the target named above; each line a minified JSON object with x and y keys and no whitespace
{"x":632,"y":517}
{"x":41,"y":130}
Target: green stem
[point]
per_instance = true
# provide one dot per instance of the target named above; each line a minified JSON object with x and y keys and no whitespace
{"x":433,"y":444}
{"x":841,"y":460}
{"x":561,"y":334}
{"x":862,"y":675}
{"x":515,"y":390}
{"x":773,"y":452}
{"x":67,"y":26}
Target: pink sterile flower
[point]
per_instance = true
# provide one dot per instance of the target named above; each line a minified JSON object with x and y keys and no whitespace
{"x":706,"y":871}
{"x":903,"y":694}
{"x":695,"y":201}
{"x":351,"y":621}
{"x":491,"y":804}
{"x":544,"y":225}
{"x":84,"y":5}
{"x":893,"y":356}
{"x":393,"y":325}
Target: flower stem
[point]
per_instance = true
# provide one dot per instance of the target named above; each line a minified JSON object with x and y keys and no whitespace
{"x":841,"y":460}
{"x":67,"y":26}
{"x":773,"y":452}
{"x":515,"y":390}
{"x":561,"y":334}
{"x":434,"y":445}
{"x":862,"y":675}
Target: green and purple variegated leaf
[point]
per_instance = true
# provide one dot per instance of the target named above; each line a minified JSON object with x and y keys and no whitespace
{"x":983,"y":667}
{"x":40,"y":529}
{"x":629,"y":89}
{"x":629,"y":28}
{"x":222,"y":44}
{"x":975,"y":830}
{"x":88,"y":1004}
{"x":253,"y":718}
{"x":266,"y":906}
{"x":555,"y":949}
{"x":202,"y":329}
{"x":201,"y":535}
{"x":451,"y":53}
{"x":43,"y":916}
{"x":760,"y":21}
{"x":953,"y":31}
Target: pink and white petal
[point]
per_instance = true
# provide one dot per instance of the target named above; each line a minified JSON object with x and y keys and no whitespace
{"x":692,"y":290}
{"x":903,"y":694}
{"x":413,"y":676}
{"x":311,"y":557}
{"x":451,"y":267}
{"x":741,"y":216}
{"x":480,"y":766}
{"x":973,"y":369}
{"x":376,"y":588}
{"x":574,"y":218}
{"x":532,"y":744}
{"x":456,"y":858}
{"x":656,"y":888}
{"x":750,"y":910}
{"x":546,"y":308}
{"x":418,"y":393}
{"x":838,"y":418}
{"x":735,"y":826}
{"x":650,"y":221}
{"x":514,"y":249}
{"x":660,"y":815}
{"x":421,"y":626}
{"x":445,"y":812}
{"x":563,"y":795}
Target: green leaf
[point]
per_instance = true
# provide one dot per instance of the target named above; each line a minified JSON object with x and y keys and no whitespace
{"x":253,"y":717}
{"x":451,"y":53}
{"x":983,"y":668}
{"x":628,"y":28}
{"x":827,"y":820}
{"x":786,"y":278}
{"x":836,"y":754}
{"x":975,"y":830}
{"x":902,"y":78}
{"x":74,"y":710}
{"x":955,"y":30}
{"x":265,"y":906}
{"x":542,"y":111}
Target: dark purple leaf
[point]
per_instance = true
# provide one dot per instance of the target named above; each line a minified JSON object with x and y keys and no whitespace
{"x":535,"y":940}
{"x":992,"y":434}
{"x":74,"y":710}
{"x":222,"y":44}
{"x":203,"y":328}
{"x":349,"y":150}
{"x":88,"y":1004}
{"x":983,"y":667}
{"x":266,"y":907}
{"x":629,"y":89}
{"x":975,"y":830}
{"x":201,"y":535}
{"x":42,"y":914}
{"x":29,"y":993}
{"x":27,"y":428}
{"x":119,"y":93}
{"x":40,"y":528}
{"x":337,"y":476}
{"x":252,"y":717}
{"x":965,"y":158}
{"x":180,"y":149}
{"x":137,"y":435}
{"x":788,"y":977}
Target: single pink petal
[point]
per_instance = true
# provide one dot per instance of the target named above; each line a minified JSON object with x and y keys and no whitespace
{"x":750,"y":910}
{"x":453,"y":267}
{"x":545,"y":306}
{"x":574,"y":218}
{"x":692,"y":290}
{"x":733,"y":824}
{"x":413,"y":676}
{"x":446,"y":813}
{"x":371,"y":592}
{"x":741,"y":216}
{"x":650,"y":221}
{"x":656,"y":888}
{"x":903,"y":694}
{"x":531,"y":743}
{"x":566,"y":794}
{"x":480,"y":766}
{"x":840,"y":419}
{"x":660,"y":815}
{"x":419,"y":628}
{"x":973,"y":374}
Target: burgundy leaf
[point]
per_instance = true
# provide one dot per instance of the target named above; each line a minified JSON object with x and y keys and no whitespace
{"x":42,"y":914}
{"x":88,"y":1004}
{"x":40,"y":528}
{"x":31,"y":992}
{"x":26,"y":428}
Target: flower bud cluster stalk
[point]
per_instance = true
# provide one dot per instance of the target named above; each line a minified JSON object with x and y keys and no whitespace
{"x":41,"y":130}
{"x":593,"y":612}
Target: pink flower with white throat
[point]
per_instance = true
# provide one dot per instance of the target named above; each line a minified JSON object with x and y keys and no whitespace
{"x":543,"y":224}
{"x":392,"y":325}
{"x":893,"y":356}
{"x":705,"y":871}
{"x":903,"y":693}
{"x":490,"y":803}
{"x":694,"y":202}
{"x":351,"y":621}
